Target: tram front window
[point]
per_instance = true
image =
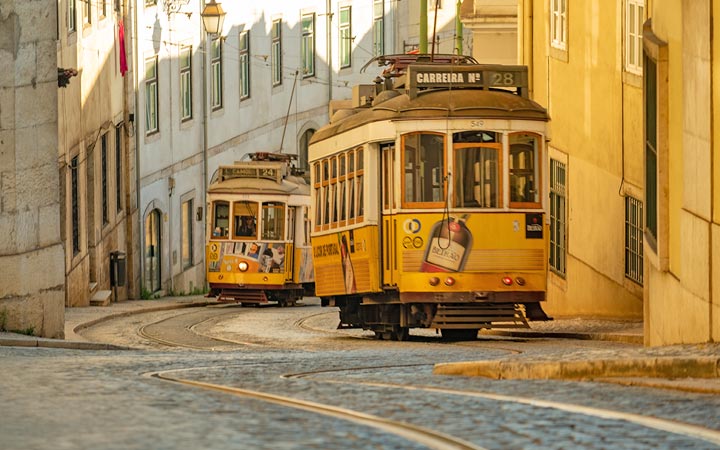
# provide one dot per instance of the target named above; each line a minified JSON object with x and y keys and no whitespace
{"x":524,"y":167}
{"x":273,"y":221}
{"x":245,"y":220}
{"x":424,"y":169}
{"x":221,"y":219}
{"x":476,"y":176}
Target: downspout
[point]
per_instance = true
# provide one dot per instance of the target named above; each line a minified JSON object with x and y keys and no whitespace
{"x":328,"y":17}
{"x":136,"y":82}
{"x":203,"y":40}
{"x":423,"y":28}
{"x":458,"y":29}
{"x":528,"y":30}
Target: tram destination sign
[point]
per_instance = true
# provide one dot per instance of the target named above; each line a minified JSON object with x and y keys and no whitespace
{"x":270,"y":171}
{"x":484,"y":76}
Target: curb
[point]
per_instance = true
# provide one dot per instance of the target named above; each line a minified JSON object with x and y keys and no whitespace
{"x":644,"y":367}
{"x":612,"y":337}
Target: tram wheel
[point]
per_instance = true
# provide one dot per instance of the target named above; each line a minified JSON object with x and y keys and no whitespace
{"x":401,"y":334}
{"x":453,"y":334}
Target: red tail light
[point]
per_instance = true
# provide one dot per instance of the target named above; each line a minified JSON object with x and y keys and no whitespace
{"x":449,"y":281}
{"x":507,"y":281}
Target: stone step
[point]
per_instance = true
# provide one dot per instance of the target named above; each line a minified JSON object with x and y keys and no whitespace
{"x":101,"y":298}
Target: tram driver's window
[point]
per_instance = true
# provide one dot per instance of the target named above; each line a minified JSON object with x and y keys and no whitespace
{"x":476,"y":176}
{"x":424,"y":168}
{"x":245,"y":220}
{"x":273,"y":221}
{"x":524,"y":165}
{"x":221,"y":219}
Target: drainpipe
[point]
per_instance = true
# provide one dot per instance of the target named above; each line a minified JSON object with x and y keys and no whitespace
{"x":423,"y":28}
{"x":458,"y":29}
{"x":136,"y":82}
{"x":527,"y":42}
{"x":328,"y":16}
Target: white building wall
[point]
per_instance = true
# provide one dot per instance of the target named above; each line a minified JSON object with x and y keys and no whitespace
{"x":273,"y":118}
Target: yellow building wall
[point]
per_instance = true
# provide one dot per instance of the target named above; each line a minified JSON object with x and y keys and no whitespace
{"x":596,"y":113}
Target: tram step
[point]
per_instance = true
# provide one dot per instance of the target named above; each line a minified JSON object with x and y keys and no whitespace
{"x":479,"y":316}
{"x":242,"y":296}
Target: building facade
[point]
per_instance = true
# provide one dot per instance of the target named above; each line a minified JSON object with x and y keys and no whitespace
{"x":32,"y":278}
{"x":263,"y":83}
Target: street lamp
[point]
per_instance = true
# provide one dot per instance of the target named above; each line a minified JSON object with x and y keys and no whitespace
{"x":213,"y":17}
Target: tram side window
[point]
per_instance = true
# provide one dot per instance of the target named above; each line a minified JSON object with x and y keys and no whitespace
{"x":318,"y":194}
{"x":359,"y":182}
{"x":424,"y":168}
{"x":273,"y":221}
{"x":477,"y":177}
{"x":221,"y":219}
{"x":245,"y":220}
{"x":524,"y":167}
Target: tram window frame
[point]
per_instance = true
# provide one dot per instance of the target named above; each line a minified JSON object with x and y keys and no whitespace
{"x":359,"y":187}
{"x":523,"y":172}
{"x":317,"y":185}
{"x":325,"y":203}
{"x":441,"y":179}
{"x":266,"y":221}
{"x":241,"y":210}
{"x":352,"y":201}
{"x":224,"y":232}
{"x":342,"y":189}
{"x":494,"y":201}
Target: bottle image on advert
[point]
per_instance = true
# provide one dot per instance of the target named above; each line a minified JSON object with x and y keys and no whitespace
{"x":348,"y":271}
{"x":449,"y":245}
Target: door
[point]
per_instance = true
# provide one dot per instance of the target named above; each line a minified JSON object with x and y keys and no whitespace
{"x":152,"y":281}
{"x":387,"y":222}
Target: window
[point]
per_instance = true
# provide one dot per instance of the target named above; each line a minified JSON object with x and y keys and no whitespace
{"x":86,"y":12}
{"x":216,"y":69}
{"x":187,"y":234}
{"x":524,"y":164}
{"x":359,"y":187}
{"x":245,"y":220}
{"x":651,"y":156}
{"x":72,"y":16}
{"x":477,"y":175}
{"x":378,"y":27}
{"x":557,"y":217}
{"x":276,"y":53}
{"x":151,"y":95}
{"x":75,"y":206}
{"x":345,"y":37}
{"x":244,"y":55}
{"x":103,"y":8}
{"x":221,"y":219}
{"x":150,"y":2}
{"x":104,"y":177}
{"x":634,"y":17}
{"x":273,"y":221}
{"x":424,"y":170}
{"x":634,"y":239}
{"x":185,"y":83}
{"x":558,"y":24}
{"x":118,"y":168}
{"x":308,"y":45}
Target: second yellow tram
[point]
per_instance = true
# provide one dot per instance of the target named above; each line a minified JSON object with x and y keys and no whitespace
{"x":429,"y":200}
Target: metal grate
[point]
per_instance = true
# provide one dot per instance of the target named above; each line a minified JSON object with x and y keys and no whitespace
{"x":634,"y":239}
{"x":557,"y":217}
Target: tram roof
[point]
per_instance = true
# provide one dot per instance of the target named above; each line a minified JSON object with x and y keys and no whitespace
{"x":436,"y":104}
{"x":294,"y":185}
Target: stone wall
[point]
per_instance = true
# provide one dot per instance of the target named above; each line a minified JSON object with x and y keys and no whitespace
{"x":32,"y":268}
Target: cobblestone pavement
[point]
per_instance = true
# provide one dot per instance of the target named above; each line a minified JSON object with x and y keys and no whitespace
{"x":56,"y":398}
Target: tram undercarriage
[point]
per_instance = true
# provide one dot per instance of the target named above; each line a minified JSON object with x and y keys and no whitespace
{"x":391,"y":320}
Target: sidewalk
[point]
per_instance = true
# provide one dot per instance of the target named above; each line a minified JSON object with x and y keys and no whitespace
{"x":78,"y":318}
{"x":693,"y":368}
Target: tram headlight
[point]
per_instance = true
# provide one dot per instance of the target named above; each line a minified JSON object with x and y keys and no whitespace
{"x":507,"y":281}
{"x":243,"y":266}
{"x":434,"y":281}
{"x":520,"y":281}
{"x":449,"y":281}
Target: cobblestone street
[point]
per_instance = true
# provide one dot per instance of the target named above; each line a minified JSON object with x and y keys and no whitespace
{"x":68,"y":398}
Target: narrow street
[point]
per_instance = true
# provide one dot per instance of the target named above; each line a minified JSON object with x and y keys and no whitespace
{"x":226,"y":376}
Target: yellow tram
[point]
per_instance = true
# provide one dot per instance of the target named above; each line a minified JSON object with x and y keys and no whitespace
{"x":429,"y":200}
{"x":258,"y":247}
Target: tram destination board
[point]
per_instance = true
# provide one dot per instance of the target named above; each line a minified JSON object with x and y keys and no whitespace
{"x":270,"y":171}
{"x":483,"y":76}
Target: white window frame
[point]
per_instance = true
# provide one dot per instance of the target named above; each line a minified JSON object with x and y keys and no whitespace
{"x":151,"y":95}
{"x":307,"y":50}
{"x":244,"y":58}
{"x":378,"y":27}
{"x":634,"y":19}
{"x":216,"y":78}
{"x":276,"y":52}
{"x":558,"y":24}
{"x":72,"y":16}
{"x":345,"y":36}
{"x":186,"y":95}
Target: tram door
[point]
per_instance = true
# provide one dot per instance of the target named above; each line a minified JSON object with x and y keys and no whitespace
{"x":388,"y":229}
{"x":293,"y":244}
